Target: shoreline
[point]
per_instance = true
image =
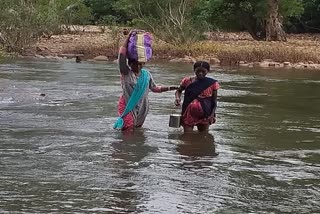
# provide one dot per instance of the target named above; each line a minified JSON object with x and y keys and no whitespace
{"x":220,"y":49}
{"x":266,"y":64}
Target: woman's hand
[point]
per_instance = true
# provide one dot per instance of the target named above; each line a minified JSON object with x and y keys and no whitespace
{"x":177,"y":102}
{"x":139,"y":31}
{"x":178,"y":93}
{"x":212,"y":118}
{"x":171,"y":88}
{"x":130,"y":32}
{"x":126,"y":41}
{"x":135,"y":31}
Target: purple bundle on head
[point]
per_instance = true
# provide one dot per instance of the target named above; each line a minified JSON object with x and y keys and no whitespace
{"x":139,"y":46}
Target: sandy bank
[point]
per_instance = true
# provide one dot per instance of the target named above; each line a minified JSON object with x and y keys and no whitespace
{"x":93,"y":43}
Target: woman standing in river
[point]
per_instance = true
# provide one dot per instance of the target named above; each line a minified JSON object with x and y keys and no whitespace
{"x":200,"y":98}
{"x":136,"y":82}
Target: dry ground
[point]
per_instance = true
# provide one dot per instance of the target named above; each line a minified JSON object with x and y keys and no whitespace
{"x":225,"y":48}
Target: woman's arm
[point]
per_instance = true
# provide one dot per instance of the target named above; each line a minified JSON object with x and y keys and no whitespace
{"x":183,"y":84}
{"x":214,"y":97}
{"x":122,"y":58}
{"x":159,"y":89}
{"x":178,"y":94}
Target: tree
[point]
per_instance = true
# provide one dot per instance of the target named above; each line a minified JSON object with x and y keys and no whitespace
{"x":248,"y":15}
{"x":171,"y":20}
{"x":274,"y":31}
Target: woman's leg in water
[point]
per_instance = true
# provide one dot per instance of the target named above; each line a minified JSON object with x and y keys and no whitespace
{"x":203,"y":127}
{"x":187,"y":128}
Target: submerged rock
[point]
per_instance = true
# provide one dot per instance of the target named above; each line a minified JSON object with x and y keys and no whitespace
{"x":101,"y":58}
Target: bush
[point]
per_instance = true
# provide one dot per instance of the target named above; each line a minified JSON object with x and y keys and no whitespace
{"x":23,"y":22}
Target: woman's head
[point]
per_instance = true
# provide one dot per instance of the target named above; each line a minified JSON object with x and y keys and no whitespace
{"x":201,"y":68}
{"x":135,"y":65}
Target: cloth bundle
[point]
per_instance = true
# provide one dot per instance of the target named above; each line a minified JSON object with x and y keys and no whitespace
{"x":139,"y":46}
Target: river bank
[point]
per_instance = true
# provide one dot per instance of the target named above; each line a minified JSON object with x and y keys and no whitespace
{"x":97,"y":44}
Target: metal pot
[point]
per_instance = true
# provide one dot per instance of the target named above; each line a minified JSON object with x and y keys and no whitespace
{"x":174,"y":120}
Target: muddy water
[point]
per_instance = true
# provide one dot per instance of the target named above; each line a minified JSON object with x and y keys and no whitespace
{"x":59,"y":153}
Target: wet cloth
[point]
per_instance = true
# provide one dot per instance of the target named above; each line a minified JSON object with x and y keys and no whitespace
{"x":198,"y":104}
{"x":128,"y":119}
{"x":139,"y":90}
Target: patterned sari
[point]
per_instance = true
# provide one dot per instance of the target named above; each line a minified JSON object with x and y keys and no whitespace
{"x":198,"y":103}
{"x":137,"y":116}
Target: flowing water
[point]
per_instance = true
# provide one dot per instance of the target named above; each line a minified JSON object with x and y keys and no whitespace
{"x":59,"y":153}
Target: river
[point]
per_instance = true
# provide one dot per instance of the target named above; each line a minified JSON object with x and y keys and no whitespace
{"x":59,"y":153}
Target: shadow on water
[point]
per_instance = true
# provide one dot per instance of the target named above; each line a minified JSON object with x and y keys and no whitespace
{"x":127,"y":157}
{"x":131,"y":147}
{"x":195,"y":144}
{"x":195,"y":149}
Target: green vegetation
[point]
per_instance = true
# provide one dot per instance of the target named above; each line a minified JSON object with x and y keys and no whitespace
{"x":176,"y":22}
{"x":23,"y":22}
{"x":296,"y":16}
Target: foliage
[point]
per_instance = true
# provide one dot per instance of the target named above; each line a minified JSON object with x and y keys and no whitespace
{"x":73,"y":12}
{"x":249,"y":15}
{"x":170,"y":20}
{"x":226,"y":15}
{"x":174,"y":21}
{"x":22,"y":21}
{"x":201,"y":15}
{"x":309,"y":20}
{"x":107,"y":11}
{"x":16,"y":21}
{"x":311,"y":17}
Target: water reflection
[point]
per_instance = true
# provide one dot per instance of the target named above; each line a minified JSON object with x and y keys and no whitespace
{"x":132,"y":147}
{"x":195,"y":144}
{"x":127,"y":158}
{"x":196,"y":149}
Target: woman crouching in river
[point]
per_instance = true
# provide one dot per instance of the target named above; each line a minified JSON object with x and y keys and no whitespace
{"x":200,"y":98}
